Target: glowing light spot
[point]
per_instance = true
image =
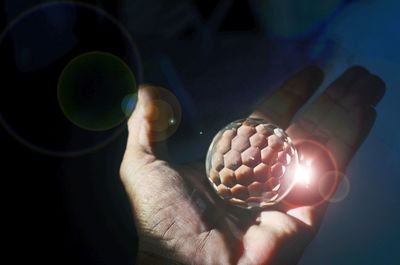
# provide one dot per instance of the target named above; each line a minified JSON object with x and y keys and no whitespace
{"x":303,"y":174}
{"x":128,"y":104}
{"x":172,"y":121}
{"x":201,"y":132}
{"x":165,"y":115}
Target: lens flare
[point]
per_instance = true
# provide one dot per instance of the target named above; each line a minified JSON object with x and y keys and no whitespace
{"x":303,"y":174}
{"x":341,"y":191}
{"x":128,"y":104}
{"x":313,"y":186}
{"x":165,"y":112}
{"x":91,"y":89}
{"x":35,"y":48}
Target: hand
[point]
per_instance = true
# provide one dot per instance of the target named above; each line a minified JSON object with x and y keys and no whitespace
{"x":179,"y":218}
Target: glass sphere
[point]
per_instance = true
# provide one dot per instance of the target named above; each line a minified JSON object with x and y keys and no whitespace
{"x":251,"y":163}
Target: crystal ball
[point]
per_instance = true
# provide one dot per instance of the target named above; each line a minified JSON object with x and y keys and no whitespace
{"x":251,"y":163}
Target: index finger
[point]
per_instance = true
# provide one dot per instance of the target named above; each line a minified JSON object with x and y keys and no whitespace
{"x":281,"y":106}
{"x":342,"y":116}
{"x":339,"y":120}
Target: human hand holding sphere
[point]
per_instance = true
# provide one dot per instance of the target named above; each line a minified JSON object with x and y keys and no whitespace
{"x":252,"y":163}
{"x":179,"y":216}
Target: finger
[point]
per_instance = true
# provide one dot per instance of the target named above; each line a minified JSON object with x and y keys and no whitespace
{"x":308,"y":203}
{"x":156,"y":117}
{"x":367,"y":91}
{"x":278,"y":239}
{"x":153,"y":186}
{"x":139,"y":143}
{"x":350,"y":134}
{"x":335,"y":93}
{"x":342,"y":114}
{"x":284,"y":103}
{"x":357,"y":86}
{"x":141,"y":148}
{"x":341,"y":85}
{"x":340,"y":119}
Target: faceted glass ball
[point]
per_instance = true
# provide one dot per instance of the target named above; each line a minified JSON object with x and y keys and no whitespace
{"x":251,"y":163}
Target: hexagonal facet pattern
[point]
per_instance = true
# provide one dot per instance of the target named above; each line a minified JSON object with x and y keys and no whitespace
{"x":250,"y":163}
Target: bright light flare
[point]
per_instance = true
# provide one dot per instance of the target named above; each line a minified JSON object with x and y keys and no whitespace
{"x":303,"y":174}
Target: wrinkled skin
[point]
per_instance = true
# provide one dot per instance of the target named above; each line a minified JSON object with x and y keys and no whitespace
{"x":180,"y":220}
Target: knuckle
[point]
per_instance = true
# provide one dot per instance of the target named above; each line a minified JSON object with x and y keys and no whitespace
{"x":123,"y":169}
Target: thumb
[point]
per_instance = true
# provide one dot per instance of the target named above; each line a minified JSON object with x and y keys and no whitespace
{"x":140,"y":122}
{"x":150,"y":124}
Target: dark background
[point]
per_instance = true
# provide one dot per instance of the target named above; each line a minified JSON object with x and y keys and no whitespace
{"x":63,"y":202}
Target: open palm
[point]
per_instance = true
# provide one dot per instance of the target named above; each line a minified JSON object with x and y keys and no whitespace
{"x":178,"y":216}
